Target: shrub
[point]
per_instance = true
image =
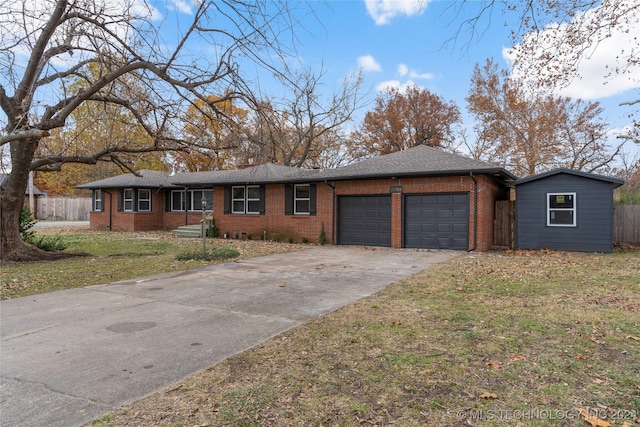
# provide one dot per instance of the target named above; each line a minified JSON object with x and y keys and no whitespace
{"x":305,"y":240}
{"x":214,"y":254}
{"x":50,"y":243}
{"x":26,"y":224}
{"x":322,"y":239}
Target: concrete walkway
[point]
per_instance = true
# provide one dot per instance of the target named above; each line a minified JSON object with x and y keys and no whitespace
{"x":68,"y":357}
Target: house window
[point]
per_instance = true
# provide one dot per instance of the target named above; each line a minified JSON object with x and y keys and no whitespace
{"x":127,"y":200}
{"x":561,"y":209}
{"x":196,"y":199}
{"x":245,"y":199}
{"x":97,"y":200}
{"x":144,"y":200}
{"x":302,"y":199}
{"x":177,"y":200}
{"x":192,"y":199}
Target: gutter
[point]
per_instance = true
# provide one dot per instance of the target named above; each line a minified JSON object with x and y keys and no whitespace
{"x":475,"y":213}
{"x":110,"y":209}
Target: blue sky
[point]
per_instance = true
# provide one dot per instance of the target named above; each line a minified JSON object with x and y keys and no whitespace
{"x":397,"y":43}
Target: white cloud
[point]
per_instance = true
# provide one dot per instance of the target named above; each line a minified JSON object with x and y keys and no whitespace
{"x":404,"y":71}
{"x":395,"y":84}
{"x":382,"y":11}
{"x":595,"y":75}
{"x":368,"y":63}
{"x":182,"y":6}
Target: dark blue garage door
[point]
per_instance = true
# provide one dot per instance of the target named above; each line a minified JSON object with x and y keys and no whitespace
{"x":364,"y":220}
{"x":437,"y":221}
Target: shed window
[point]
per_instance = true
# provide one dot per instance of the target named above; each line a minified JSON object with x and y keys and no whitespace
{"x":561,"y":209}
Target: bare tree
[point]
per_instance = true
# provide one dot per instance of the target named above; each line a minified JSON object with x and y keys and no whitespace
{"x":105,"y":44}
{"x":531,"y":132}
{"x":551,"y":39}
{"x":300,"y":129}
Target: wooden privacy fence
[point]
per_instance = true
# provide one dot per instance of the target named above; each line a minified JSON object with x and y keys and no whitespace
{"x":504,"y":224}
{"x":626,"y":224}
{"x":64,"y":208}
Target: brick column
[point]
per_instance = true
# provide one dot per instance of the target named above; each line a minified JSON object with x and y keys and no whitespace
{"x":396,"y":220}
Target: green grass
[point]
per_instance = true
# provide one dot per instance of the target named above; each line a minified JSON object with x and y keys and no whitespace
{"x":547,"y":333}
{"x":120,"y":256}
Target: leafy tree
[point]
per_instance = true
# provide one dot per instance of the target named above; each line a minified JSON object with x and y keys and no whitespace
{"x":531,"y":132}
{"x":402,"y":120}
{"x":119,"y":55}
{"x":213,"y":135}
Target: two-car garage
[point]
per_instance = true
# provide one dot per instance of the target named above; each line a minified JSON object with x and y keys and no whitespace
{"x":429,"y":221}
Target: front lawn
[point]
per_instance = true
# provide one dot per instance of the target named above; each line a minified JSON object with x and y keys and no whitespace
{"x":116,"y":256}
{"x":495,"y":339}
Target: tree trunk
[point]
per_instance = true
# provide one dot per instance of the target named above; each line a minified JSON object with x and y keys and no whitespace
{"x":12,"y":247}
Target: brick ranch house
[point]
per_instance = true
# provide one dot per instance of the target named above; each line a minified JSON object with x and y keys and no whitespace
{"x":422,"y":197}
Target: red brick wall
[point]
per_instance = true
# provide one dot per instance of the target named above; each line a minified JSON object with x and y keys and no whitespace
{"x":274,"y":221}
{"x":297,"y":227}
{"x":488,"y":191}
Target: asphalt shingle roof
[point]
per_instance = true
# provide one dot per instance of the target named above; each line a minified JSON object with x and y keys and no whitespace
{"x":147,"y":178}
{"x":416,"y":161}
{"x":617,"y":182}
{"x":420,"y":160}
{"x":36,"y":192}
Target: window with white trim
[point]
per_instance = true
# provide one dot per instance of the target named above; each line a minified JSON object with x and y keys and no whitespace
{"x":245,"y":199}
{"x":144,"y":200}
{"x":97,"y":200}
{"x":561,"y":209}
{"x":302,"y":199}
{"x":127,"y":199}
{"x":192,"y":199}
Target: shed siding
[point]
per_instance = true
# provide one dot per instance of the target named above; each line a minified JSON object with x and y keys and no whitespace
{"x":594,"y":215}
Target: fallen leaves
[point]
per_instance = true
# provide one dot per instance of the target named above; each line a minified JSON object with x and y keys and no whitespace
{"x":591,"y":419}
{"x":488,"y":395}
{"x":493,"y":364}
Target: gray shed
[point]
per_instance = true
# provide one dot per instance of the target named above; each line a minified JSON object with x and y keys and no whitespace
{"x":564,"y":209}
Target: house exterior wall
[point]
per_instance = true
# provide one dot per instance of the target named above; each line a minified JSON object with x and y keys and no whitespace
{"x":488,"y":191}
{"x":594,"y":215}
{"x":274,"y":221}
{"x":298,"y":227}
{"x":111,"y":218}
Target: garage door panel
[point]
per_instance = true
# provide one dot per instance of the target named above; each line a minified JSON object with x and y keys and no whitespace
{"x":364,"y":220}
{"x":436,"y":221}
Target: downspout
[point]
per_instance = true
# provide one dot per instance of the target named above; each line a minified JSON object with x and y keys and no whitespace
{"x":334,"y":214}
{"x":186,"y":208}
{"x":475,"y":213}
{"x":110,"y":209}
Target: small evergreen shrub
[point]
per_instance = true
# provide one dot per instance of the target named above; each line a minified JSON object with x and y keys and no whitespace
{"x":322,"y":239}
{"x":46,"y":243}
{"x":214,"y":254}
{"x":26,"y":224}
{"x":305,"y":240}
{"x":50,"y":243}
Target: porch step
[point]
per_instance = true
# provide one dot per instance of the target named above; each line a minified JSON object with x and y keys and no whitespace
{"x":188,"y":231}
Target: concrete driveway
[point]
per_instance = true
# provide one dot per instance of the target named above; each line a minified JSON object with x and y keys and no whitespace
{"x":68,"y":357}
